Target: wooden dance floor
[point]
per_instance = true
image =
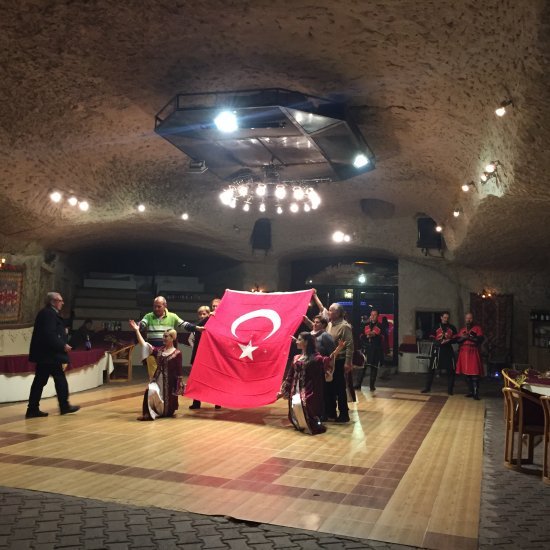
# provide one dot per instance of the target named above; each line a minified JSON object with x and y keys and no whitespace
{"x":406,"y":469}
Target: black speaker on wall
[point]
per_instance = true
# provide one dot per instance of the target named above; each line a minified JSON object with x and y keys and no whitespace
{"x":261,"y":235}
{"x":428,"y":237}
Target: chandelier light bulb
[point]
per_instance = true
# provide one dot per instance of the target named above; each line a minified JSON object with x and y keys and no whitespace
{"x":298,"y":193}
{"x":84,"y":206}
{"x":500,"y":111}
{"x":280,"y":191}
{"x":294,"y":208}
{"x":226,"y":196}
{"x":338,"y":236}
{"x":261,"y":190}
{"x":73,"y":201}
{"x":185,"y":216}
{"x":246,"y":207}
{"x":55,"y":196}
{"x":279,"y":210}
{"x":347,"y":238}
{"x":242,"y":190}
{"x":307,"y":208}
{"x":262,"y":207}
{"x":226,"y":122}
{"x":141,"y":208}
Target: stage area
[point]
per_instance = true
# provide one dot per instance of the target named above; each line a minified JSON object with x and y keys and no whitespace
{"x":406,"y":469}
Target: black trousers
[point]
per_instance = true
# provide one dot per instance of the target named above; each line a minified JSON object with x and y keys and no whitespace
{"x":336,"y":392}
{"x":43,"y":373}
{"x":443,"y":357}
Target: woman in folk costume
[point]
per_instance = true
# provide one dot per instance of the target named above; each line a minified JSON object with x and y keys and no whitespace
{"x":161,"y":395}
{"x":304,"y":383}
{"x":469,"y":362}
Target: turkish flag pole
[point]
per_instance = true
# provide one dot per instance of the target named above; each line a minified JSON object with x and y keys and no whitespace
{"x":244,"y":350}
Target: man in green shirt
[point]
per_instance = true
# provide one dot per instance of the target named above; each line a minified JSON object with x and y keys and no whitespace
{"x":155,"y":324}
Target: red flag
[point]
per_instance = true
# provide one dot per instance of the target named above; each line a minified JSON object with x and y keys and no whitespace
{"x":244,"y":350}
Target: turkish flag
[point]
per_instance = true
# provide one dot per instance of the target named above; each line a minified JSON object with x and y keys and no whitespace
{"x":243,"y":352}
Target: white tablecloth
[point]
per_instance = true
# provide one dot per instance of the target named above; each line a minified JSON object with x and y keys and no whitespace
{"x":539,"y":389}
{"x":17,"y":387}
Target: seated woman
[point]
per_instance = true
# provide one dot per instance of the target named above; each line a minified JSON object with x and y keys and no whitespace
{"x":304,"y":385}
{"x":160,"y":398}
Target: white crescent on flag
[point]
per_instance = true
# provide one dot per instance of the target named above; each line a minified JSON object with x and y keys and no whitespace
{"x":270,"y":314}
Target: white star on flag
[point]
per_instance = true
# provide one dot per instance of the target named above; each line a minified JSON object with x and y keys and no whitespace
{"x":247,"y":350}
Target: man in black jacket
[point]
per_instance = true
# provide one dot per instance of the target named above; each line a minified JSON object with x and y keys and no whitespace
{"x":49,"y":350}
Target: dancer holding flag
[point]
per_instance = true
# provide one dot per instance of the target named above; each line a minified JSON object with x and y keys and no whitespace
{"x":304,"y":385}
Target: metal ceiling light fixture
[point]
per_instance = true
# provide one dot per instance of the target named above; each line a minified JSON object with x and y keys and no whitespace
{"x":249,"y":193}
{"x":309,"y":137}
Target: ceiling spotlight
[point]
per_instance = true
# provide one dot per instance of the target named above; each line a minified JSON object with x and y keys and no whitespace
{"x":362,"y":279}
{"x":226,"y":122}
{"x":73,"y":201}
{"x":246,"y":207}
{"x":279,"y":210}
{"x":360,"y":160}
{"x":491,"y":167}
{"x":84,"y":206}
{"x":280,"y":191}
{"x":338,"y":236}
{"x":185,"y":216}
{"x":261,"y":190}
{"x":294,"y":207}
{"x":55,"y":196}
{"x":141,"y":208}
{"x":262,"y":207}
{"x":439,"y":228}
{"x":466,"y":187}
{"x":501,"y":109}
{"x":456,"y":212}
{"x":347,"y":238}
{"x":298,"y":193}
{"x":307,"y":208}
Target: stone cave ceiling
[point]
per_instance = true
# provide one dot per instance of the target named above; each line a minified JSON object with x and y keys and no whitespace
{"x":81,"y":82}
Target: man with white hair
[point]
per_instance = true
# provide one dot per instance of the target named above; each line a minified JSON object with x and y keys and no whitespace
{"x":49,"y":350}
{"x":339,"y":329}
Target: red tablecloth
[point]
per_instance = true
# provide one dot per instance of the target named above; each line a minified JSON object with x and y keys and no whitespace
{"x":19,"y":364}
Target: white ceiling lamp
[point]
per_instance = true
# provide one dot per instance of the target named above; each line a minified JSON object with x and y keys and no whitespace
{"x":73,"y":201}
{"x":360,"y":160}
{"x":246,"y":206}
{"x":84,"y":206}
{"x":262,"y":207}
{"x":294,"y":208}
{"x":261,"y":190}
{"x":185,"y":216}
{"x":56,"y":196}
{"x":242,"y":190}
{"x":141,"y":208}
{"x":456,"y":212}
{"x":500,"y":111}
{"x":439,"y":228}
{"x":280,"y":191}
{"x":226,"y":122}
{"x":362,"y":279}
{"x":279,"y":209}
{"x":298,"y":193}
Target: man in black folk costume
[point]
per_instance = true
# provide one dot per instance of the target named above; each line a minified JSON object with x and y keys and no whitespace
{"x":373,"y":348}
{"x":443,"y":355}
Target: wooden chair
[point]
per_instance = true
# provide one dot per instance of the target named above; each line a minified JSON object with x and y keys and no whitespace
{"x":122,"y":361}
{"x":509,"y":378}
{"x":524,"y":417}
{"x":545,"y":402}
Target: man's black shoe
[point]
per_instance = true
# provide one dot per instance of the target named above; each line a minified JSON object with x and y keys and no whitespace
{"x":425,"y":391}
{"x":35,"y":413}
{"x":342,"y":419}
{"x":70,"y":409}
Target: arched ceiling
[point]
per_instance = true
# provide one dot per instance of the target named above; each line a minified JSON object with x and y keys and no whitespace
{"x":81,"y":82}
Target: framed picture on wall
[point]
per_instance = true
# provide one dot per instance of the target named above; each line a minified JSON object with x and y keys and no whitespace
{"x":11,"y":291}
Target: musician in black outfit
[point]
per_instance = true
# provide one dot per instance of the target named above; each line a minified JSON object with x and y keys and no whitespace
{"x":373,"y":347}
{"x":443,"y":355}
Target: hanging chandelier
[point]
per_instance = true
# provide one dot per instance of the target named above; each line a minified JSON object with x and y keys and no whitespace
{"x":271,"y":194}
